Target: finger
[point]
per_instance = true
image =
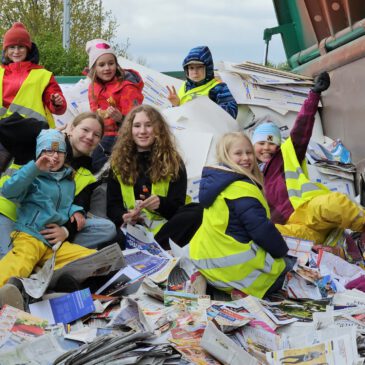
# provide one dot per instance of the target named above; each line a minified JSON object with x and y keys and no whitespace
{"x":173,"y":89}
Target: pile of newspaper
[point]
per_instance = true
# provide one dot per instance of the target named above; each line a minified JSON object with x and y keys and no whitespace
{"x":154,"y":307}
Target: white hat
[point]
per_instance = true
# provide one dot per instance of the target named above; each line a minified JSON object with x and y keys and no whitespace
{"x":96,"y":48}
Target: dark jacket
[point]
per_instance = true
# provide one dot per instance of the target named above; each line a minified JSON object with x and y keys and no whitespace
{"x":247,"y":217}
{"x":168,"y":205}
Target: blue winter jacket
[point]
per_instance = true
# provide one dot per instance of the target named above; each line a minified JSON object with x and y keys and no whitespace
{"x":247,"y":217}
{"x":41,"y":197}
{"x":220,"y":94}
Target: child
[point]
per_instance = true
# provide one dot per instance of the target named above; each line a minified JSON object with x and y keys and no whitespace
{"x":113,"y":92}
{"x":148,"y":182}
{"x":26,"y":87}
{"x":299,"y":207}
{"x":199,"y":71}
{"x":44,"y":190}
{"x":237,"y":246}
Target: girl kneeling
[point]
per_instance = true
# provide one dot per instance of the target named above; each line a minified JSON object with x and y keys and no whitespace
{"x":237,"y":246}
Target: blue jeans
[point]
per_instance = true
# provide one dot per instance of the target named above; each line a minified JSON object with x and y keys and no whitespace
{"x":6,"y":227}
{"x":95,"y":233}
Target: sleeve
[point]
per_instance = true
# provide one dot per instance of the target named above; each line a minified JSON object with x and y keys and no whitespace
{"x":130,"y":97}
{"x":114,"y":201}
{"x":18,"y":185}
{"x":92,"y":100}
{"x":176,"y":195}
{"x":54,"y":88}
{"x":221,"y":95}
{"x":302,"y":130}
{"x":261,"y":230}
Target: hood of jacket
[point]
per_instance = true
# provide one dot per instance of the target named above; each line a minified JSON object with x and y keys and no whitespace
{"x":201,"y":54}
{"x":214,"y":180}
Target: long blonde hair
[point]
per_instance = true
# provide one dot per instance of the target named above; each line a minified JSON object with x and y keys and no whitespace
{"x":223,"y":147}
{"x":165,"y":159}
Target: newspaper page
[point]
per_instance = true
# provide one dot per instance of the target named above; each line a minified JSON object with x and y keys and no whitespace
{"x":157,"y":268}
{"x":299,"y":248}
{"x":224,"y":349}
{"x":43,"y":350}
{"x":140,"y":237}
{"x":337,"y":351}
{"x":100,"y":263}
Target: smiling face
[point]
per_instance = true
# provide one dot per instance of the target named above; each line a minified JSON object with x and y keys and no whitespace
{"x":142,"y":132}
{"x":265,"y":150}
{"x":57,"y":159}
{"x":241,"y":153}
{"x":106,"y":67}
{"x":196,"y":72}
{"x":85,"y":136}
{"x":16,"y":53}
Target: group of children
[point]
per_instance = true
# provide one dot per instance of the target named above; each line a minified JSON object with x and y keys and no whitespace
{"x":45,"y":194}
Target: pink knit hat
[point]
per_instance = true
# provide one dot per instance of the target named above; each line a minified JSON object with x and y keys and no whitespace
{"x":17,"y":35}
{"x":96,"y":48}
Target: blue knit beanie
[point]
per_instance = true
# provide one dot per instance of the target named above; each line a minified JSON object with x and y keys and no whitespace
{"x":52,"y":140}
{"x":267,"y":132}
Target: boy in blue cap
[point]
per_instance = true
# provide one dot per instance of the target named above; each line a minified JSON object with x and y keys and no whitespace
{"x":44,"y":192}
{"x":199,"y":69}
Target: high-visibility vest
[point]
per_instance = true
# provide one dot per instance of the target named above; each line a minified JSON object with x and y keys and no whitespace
{"x":191,"y":94}
{"x":7,"y":207}
{"x":153,"y":220}
{"x":82,"y":178}
{"x":225,"y":262}
{"x":300,"y":188}
{"x":28,"y":100}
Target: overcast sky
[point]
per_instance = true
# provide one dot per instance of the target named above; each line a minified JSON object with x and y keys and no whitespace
{"x":163,"y":31}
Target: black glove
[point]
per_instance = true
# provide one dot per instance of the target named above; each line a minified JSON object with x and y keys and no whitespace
{"x":321,"y":82}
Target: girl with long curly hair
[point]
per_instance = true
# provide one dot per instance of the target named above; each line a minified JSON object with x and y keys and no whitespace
{"x":148,"y":179}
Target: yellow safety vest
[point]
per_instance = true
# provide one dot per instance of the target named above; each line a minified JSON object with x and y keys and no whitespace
{"x":300,"y":188}
{"x":225,"y":262}
{"x":153,"y":220}
{"x":28,"y":100}
{"x":191,"y":94}
{"x":83,"y":177}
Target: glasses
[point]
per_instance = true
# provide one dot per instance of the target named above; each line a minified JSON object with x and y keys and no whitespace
{"x":52,"y":152}
{"x":19,"y":48}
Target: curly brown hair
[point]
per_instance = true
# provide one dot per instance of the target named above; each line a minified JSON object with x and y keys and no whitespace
{"x":165,"y":159}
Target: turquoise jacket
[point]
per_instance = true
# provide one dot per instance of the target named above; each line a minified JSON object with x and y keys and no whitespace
{"x":41,"y":198}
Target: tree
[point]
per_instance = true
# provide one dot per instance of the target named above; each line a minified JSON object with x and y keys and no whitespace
{"x":44,"y":20}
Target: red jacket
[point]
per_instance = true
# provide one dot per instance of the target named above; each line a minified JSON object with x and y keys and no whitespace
{"x":276,"y":192}
{"x":126,"y":95}
{"x":15,"y":74}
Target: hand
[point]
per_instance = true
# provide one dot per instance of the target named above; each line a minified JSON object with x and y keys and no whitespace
{"x":173,"y":97}
{"x":45,"y":163}
{"x":151,"y":203}
{"x":54,"y":233}
{"x":114,"y":113}
{"x":80,"y":220}
{"x":56,"y":100}
{"x":132,"y":217}
{"x":321,"y":82}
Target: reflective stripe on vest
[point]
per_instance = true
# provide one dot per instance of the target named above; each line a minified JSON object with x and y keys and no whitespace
{"x":28,"y":100}
{"x":153,"y":221}
{"x":225,"y":262}
{"x":83,"y":177}
{"x":300,"y":188}
{"x":196,"y":91}
{"x":7,"y":207}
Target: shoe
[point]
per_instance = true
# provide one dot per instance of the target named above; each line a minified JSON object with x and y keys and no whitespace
{"x":11,"y":295}
{"x":66,"y":283}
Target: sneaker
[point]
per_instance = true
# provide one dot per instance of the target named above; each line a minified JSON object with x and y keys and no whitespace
{"x":11,"y":295}
{"x":66,"y":283}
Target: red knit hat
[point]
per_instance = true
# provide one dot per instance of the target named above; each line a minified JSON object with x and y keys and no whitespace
{"x":17,"y":35}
